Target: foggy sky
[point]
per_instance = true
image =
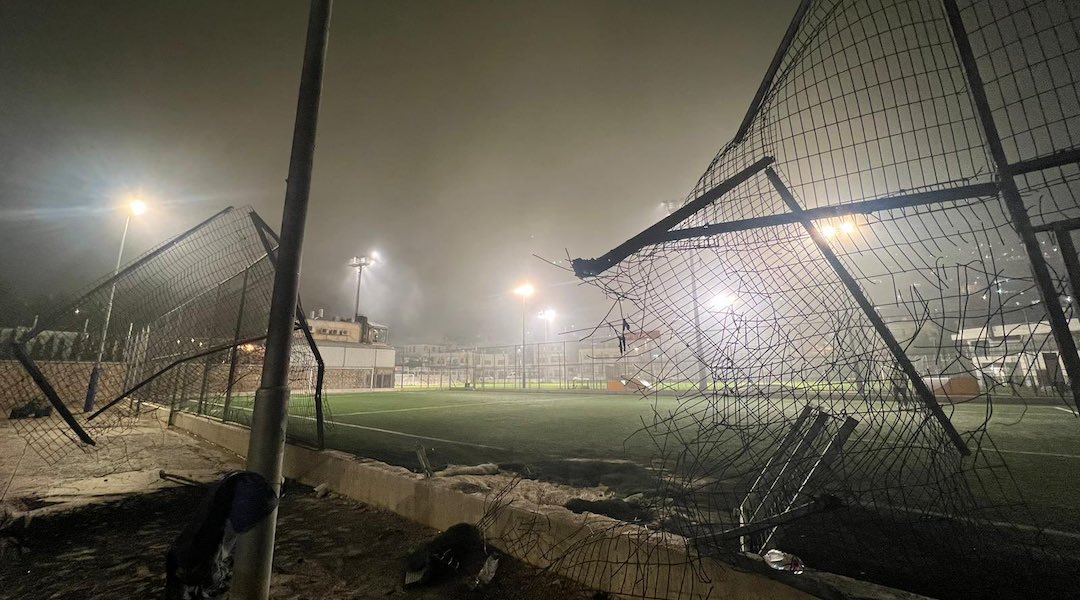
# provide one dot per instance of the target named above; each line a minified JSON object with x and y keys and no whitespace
{"x":456,"y":138}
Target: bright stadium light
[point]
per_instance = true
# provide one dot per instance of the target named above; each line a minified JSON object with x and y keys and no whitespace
{"x":524,"y":290}
{"x":847,"y":228}
{"x":137,"y":207}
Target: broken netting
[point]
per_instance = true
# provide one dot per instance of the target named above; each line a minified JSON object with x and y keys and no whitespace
{"x":886,"y":237}
{"x":181,"y":328}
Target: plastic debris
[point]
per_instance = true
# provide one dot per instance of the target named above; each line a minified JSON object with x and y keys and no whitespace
{"x":782,"y":561}
{"x":487,"y":572}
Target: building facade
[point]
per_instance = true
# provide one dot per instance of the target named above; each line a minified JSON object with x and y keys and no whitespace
{"x":356,"y":354}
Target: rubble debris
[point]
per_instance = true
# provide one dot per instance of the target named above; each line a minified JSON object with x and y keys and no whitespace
{"x":322,"y":490}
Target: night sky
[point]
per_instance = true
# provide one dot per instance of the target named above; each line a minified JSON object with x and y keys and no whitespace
{"x":456,"y":138}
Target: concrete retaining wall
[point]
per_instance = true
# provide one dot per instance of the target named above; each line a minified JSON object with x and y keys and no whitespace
{"x":598,"y":552}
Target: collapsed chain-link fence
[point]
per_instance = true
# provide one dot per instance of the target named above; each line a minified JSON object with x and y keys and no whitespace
{"x":872,"y":247}
{"x":180,"y":328}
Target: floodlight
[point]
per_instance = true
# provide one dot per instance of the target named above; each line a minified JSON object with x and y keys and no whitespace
{"x":524,"y":290}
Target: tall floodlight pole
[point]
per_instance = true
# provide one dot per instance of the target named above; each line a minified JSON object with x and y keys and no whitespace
{"x":699,"y":347}
{"x":524,"y":290}
{"x":547,"y":315}
{"x":266,"y":446}
{"x":135,"y":208}
{"x":358,"y":263}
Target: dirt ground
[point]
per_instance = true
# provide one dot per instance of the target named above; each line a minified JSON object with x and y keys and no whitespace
{"x":119,"y":466}
{"x":328,"y":547}
{"x":101,"y":524}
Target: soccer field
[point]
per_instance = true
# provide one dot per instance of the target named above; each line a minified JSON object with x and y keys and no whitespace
{"x":1040,"y":443}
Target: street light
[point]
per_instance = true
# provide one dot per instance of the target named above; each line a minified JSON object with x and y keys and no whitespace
{"x":358,"y":263}
{"x":135,"y":208}
{"x":524,"y":290}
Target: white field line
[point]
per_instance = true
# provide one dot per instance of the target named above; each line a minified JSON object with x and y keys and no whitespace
{"x":393,"y":410}
{"x":1039,"y":453}
{"x":1021,"y":407}
{"x":1003,"y":524}
{"x":391,"y":432}
{"x":1061,"y":408}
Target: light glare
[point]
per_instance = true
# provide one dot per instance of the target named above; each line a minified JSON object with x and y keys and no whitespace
{"x":524,"y":290}
{"x":722,"y":301}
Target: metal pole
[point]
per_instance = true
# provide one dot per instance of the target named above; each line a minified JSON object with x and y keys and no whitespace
{"x":127,"y":355}
{"x":1015,"y":203}
{"x":592,"y":363}
{"x":140,"y":362}
{"x":374,"y":365}
{"x":95,"y":374}
{"x":1072,"y":261}
{"x":208,"y":364}
{"x":356,"y":310}
{"x":236,"y":342}
{"x":703,"y":369}
{"x":255,"y":550}
{"x":523,"y":300}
